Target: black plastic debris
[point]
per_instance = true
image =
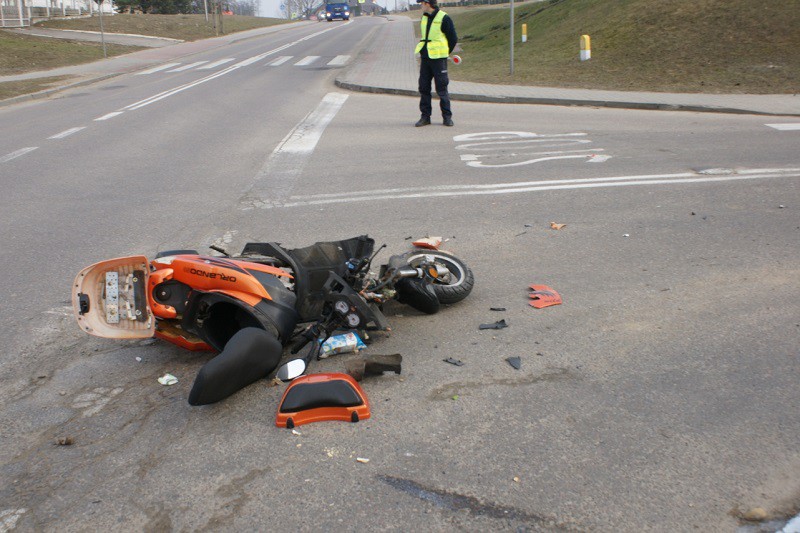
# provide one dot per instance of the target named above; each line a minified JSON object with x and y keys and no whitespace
{"x":497,"y":309}
{"x":374,"y":365}
{"x":453,"y":361}
{"x":516,"y":362}
{"x":500,"y":324}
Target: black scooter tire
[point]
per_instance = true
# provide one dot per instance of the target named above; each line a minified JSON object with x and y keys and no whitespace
{"x":463,"y":278}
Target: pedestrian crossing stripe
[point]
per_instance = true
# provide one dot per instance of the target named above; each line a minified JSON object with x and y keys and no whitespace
{"x":306,"y":61}
{"x":216,"y":63}
{"x":280,"y":61}
{"x":337,"y":61}
{"x":785,"y":126}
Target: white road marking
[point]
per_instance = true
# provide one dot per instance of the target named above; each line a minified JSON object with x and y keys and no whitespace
{"x":306,"y":61}
{"x":157,"y":69}
{"x":338,"y":61}
{"x":228,"y":70}
{"x":67,"y":133}
{"x":13,"y":155}
{"x":280,"y":61}
{"x":9,"y":518}
{"x":108,"y":116}
{"x":216,"y":63}
{"x":785,"y":127}
{"x":531,"y":186}
{"x":276,"y":179}
{"x":187,"y":67}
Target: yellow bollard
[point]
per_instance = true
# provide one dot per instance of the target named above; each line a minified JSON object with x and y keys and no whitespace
{"x":586,"y":48}
{"x":524,"y":33}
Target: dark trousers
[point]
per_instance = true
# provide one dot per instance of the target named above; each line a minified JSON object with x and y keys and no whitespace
{"x":436,"y":70}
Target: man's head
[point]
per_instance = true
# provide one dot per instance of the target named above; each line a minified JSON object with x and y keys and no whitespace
{"x":428,"y":6}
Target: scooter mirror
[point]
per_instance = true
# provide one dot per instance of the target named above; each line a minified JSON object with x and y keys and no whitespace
{"x":291,"y":370}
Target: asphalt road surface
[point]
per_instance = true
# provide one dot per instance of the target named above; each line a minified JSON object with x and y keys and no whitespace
{"x":661,"y":395}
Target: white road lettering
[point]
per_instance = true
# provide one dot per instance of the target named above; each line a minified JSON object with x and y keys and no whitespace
{"x":276,"y":179}
{"x":67,"y":133}
{"x":13,"y":155}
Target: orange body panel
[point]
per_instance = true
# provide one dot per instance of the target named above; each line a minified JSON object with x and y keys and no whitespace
{"x":321,"y":414}
{"x":431,"y":243}
{"x":543,"y":296}
{"x":160,"y":310}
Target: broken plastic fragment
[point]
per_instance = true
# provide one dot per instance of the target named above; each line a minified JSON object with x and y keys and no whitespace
{"x":500,"y":324}
{"x":168,"y":379}
{"x":453,"y":361}
{"x":516,"y":362}
{"x":497,"y":309}
{"x":295,"y":432}
{"x":362,"y":460}
{"x":543,"y":296}
{"x":556,"y":225}
{"x":431,"y":243}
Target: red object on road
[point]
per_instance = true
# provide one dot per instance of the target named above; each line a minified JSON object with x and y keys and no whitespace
{"x":543,"y":296}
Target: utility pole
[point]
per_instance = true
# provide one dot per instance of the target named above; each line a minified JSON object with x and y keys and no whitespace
{"x":512,"y":37}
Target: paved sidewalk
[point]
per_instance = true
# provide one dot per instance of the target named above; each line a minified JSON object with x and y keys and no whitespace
{"x":387,"y":65}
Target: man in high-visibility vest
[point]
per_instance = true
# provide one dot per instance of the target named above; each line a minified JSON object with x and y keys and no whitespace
{"x":437,"y":40}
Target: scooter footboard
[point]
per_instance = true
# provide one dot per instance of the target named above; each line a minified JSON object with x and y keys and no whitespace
{"x":110,"y":299}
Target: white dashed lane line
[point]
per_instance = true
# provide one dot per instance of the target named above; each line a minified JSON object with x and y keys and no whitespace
{"x":216,"y":63}
{"x":165,"y":66}
{"x":306,"y":61}
{"x":13,"y":155}
{"x":108,"y":116}
{"x":67,"y":133}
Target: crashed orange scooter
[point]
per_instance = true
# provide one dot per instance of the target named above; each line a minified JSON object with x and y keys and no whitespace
{"x":250,"y":306}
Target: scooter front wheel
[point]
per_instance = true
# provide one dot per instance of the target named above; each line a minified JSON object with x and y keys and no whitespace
{"x":453,"y":286}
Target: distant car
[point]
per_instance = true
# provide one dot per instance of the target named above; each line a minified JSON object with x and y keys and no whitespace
{"x":337,"y":11}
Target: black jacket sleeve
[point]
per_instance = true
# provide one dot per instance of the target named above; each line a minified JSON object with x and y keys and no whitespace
{"x":449,"y":30}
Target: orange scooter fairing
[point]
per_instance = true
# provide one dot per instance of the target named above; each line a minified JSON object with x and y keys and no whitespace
{"x":319,"y":397}
{"x":543,"y":296}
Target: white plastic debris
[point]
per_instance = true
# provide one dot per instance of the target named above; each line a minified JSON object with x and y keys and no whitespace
{"x":362,"y":460}
{"x":295,"y":432}
{"x":138,"y":359}
{"x":168,"y":379}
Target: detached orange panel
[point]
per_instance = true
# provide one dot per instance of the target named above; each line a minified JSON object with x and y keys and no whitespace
{"x":432,"y":243}
{"x":543,"y":296}
{"x":320,"y":397}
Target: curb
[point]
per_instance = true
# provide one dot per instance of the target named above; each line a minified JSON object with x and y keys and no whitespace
{"x":564,"y":102}
{"x":39,"y":95}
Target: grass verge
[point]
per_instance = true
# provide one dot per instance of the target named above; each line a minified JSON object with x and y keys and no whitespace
{"x":707,"y":46}
{"x":26,"y":53}
{"x":184,"y":27}
{"x":11,"y":89}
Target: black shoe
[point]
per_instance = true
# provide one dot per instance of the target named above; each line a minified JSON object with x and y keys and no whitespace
{"x":423,"y":121}
{"x":448,"y":121}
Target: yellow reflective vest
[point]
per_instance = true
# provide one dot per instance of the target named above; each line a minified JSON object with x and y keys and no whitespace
{"x":437,"y":41}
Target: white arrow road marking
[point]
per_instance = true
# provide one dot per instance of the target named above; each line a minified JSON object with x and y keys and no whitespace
{"x":187,"y":67}
{"x":280,"y":61}
{"x":67,"y":133}
{"x":108,"y":116}
{"x":306,"y":61}
{"x":157,"y":69}
{"x":785,"y":127}
{"x":531,"y":186}
{"x":276,"y":179}
{"x":13,"y":155}
{"x":216,"y":63}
